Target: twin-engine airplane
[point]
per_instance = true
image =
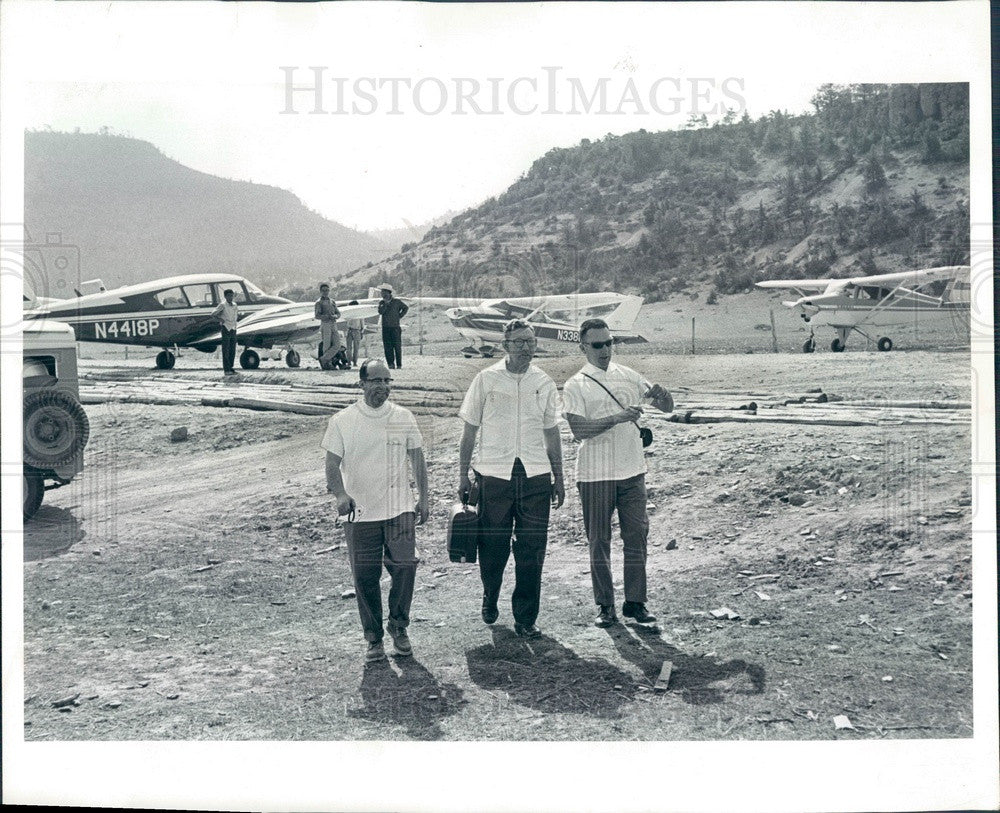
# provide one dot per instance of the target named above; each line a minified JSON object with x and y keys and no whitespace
{"x":879,"y":301}
{"x":176,"y":312}
{"x":555,"y":317}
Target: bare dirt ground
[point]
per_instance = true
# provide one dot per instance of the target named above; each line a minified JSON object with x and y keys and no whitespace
{"x":194,"y":590}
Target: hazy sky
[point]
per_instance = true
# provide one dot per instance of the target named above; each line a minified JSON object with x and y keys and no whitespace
{"x":427,"y":108}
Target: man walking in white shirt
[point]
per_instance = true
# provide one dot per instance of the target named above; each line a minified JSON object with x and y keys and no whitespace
{"x":228,"y":314}
{"x":602,"y":404}
{"x":367,"y":446}
{"x":513,"y":407}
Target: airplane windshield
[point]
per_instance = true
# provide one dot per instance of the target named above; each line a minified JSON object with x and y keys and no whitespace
{"x":253,"y":292}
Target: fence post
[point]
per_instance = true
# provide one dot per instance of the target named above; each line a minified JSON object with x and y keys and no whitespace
{"x":774,"y":334}
{"x":692,"y":335}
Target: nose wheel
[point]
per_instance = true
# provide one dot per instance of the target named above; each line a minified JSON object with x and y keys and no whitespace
{"x":809,"y":345}
{"x":165,"y":360}
{"x":292,"y":358}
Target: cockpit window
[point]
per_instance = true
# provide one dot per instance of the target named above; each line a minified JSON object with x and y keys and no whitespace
{"x":171,"y":298}
{"x":235,"y":286}
{"x":199,"y":296}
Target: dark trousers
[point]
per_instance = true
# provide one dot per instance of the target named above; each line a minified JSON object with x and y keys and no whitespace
{"x":370,"y":545}
{"x":392,"y":343}
{"x":521,"y":505}
{"x":600,"y":499}
{"x":228,"y":349}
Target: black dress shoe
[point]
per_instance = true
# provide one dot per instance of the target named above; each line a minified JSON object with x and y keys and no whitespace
{"x":490,"y":611}
{"x":606,"y":617}
{"x":527,"y":631}
{"x":637,"y":611}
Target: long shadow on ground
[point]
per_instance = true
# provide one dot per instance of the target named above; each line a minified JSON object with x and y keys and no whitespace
{"x":414,"y":698}
{"x":692,"y":677}
{"x":545,"y":675}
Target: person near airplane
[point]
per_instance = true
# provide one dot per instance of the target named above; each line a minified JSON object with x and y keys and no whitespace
{"x":228,"y":314}
{"x":513,"y":407}
{"x":355,"y":330}
{"x":602,"y":404}
{"x":392,"y":310}
{"x":367,"y":447}
{"x":328,"y":313}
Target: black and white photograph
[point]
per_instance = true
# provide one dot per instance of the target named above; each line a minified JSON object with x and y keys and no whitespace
{"x":502,"y":406}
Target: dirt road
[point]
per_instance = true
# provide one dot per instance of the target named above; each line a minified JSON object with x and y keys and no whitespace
{"x":193,"y":590}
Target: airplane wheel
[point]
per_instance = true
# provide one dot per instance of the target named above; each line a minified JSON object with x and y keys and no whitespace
{"x":249,"y":360}
{"x":165,"y":360}
{"x":34,"y":491}
{"x":809,"y":346}
{"x":55,"y":429}
{"x":837,"y":346}
{"x":292,"y":359}
{"x":885,"y":344}
{"x":487,"y":353}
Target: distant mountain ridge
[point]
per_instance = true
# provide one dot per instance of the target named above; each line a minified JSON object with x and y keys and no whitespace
{"x":876,"y":179}
{"x":135,"y":215}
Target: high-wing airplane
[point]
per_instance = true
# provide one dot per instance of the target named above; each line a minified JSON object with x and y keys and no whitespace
{"x":555,"y":317}
{"x":170,"y":313}
{"x":877,"y":302}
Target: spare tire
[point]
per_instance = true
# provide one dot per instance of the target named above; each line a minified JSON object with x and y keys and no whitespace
{"x":55,"y":428}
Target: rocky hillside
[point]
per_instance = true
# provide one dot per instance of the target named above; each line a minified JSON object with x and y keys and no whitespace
{"x":136,"y":215}
{"x":875,"y":179}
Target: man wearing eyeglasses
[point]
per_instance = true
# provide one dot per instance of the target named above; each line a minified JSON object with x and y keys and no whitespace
{"x":602,"y":404}
{"x":513,"y":407}
{"x":367,"y":446}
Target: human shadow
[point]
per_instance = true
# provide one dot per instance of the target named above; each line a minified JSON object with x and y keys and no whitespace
{"x":692,"y":677}
{"x":543,"y":674}
{"x":414,"y":698}
{"x":50,"y":532}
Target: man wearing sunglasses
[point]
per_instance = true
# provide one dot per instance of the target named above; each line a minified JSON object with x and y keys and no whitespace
{"x":367,"y":446}
{"x":602,"y":404}
{"x":513,"y":407}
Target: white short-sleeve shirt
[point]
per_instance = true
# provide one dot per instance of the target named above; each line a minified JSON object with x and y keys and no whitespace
{"x":615,"y":454}
{"x":372,"y":445}
{"x":512,"y":410}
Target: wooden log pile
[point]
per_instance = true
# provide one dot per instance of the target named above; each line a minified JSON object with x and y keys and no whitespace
{"x":693,"y":407}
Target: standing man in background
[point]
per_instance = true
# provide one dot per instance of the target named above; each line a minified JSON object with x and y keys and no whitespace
{"x":355,"y":330}
{"x":513,"y":406}
{"x":228,"y":314}
{"x":392,"y":310}
{"x":602,"y":404}
{"x":328,"y":313}
{"x":367,"y":447}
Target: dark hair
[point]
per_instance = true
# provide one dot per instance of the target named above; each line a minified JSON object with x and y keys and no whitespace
{"x":515,"y":324}
{"x":229,"y":291}
{"x":324,"y":285}
{"x":591,"y":324}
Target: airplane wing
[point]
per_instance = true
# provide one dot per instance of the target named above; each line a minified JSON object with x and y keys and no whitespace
{"x":802,"y":285}
{"x":285,"y":324}
{"x":918,"y":277}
